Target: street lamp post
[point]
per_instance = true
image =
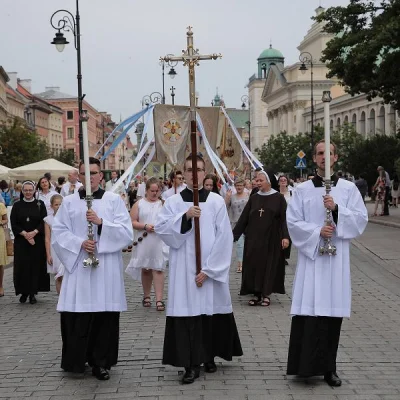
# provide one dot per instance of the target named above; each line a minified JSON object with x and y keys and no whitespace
{"x":69,"y":23}
{"x":172,"y":73}
{"x":172,"y":89}
{"x":307,"y":58}
{"x":246,"y":101}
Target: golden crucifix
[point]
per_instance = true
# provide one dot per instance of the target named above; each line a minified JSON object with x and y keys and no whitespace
{"x":190,"y":58}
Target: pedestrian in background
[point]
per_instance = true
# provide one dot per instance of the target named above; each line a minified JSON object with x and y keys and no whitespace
{"x":30,"y":272}
{"x":44,"y":192}
{"x":395,"y":190}
{"x":17,"y":192}
{"x":210,"y":183}
{"x":54,"y":266}
{"x":380,"y":193}
{"x":236,"y":204}
{"x":3,"y":246}
{"x":362,"y":186}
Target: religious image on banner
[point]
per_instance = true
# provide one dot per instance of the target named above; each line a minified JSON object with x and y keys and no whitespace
{"x":229,"y":149}
{"x":171,"y":132}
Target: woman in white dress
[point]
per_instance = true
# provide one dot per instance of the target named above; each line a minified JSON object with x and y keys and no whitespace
{"x":148,"y":261}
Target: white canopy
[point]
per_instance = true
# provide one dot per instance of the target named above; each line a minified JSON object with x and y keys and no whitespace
{"x":36,"y":170}
{"x":4,"y":172}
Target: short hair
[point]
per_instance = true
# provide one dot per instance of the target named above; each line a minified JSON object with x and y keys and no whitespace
{"x":114,"y":170}
{"x":239,"y":181}
{"x":152,"y":181}
{"x":198,"y":158}
{"x":284,"y":176}
{"x":55,"y":197}
{"x":92,"y":161}
{"x":323,"y":141}
{"x":3,"y":185}
{"x":47,"y":175}
{"x":177,"y":173}
{"x":61,"y":180}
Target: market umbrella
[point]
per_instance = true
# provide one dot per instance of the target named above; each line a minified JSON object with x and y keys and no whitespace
{"x":4,"y":172}
{"x":36,"y":170}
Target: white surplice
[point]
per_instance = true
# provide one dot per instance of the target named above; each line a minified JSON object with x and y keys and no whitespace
{"x":92,"y":289}
{"x":322,"y":285}
{"x":184,"y":297}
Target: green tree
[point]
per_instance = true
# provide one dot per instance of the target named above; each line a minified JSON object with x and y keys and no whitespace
{"x":66,"y":156}
{"x":21,"y":145}
{"x":364,"y":53}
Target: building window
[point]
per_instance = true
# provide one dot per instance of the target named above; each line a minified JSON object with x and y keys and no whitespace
{"x":70,"y":115}
{"x":70,"y":133}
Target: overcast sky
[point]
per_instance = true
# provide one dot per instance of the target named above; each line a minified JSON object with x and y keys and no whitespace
{"x":122,"y":41}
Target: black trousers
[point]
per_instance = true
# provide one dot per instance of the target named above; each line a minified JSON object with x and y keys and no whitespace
{"x":313,"y":345}
{"x":91,"y":337}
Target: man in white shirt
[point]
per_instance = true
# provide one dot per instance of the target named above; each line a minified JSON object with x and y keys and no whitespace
{"x":73,"y":185}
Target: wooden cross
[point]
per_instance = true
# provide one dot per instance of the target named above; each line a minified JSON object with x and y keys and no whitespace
{"x":261,"y":211}
{"x":190,"y":58}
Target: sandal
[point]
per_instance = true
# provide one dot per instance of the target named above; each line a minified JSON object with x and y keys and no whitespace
{"x":146,"y":302}
{"x":265,"y":302}
{"x":160,"y":306}
{"x":253,"y":302}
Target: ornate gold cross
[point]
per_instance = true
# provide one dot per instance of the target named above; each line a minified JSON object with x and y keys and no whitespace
{"x":190,"y":58}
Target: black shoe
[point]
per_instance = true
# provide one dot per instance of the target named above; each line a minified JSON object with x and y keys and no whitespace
{"x":32,"y":299}
{"x":100,"y":373}
{"x":332,"y":379}
{"x":210,"y":367}
{"x":23,"y":298}
{"x":190,"y":375}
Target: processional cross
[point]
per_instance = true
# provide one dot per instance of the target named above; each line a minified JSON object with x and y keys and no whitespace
{"x":190,"y":58}
{"x":261,"y":211}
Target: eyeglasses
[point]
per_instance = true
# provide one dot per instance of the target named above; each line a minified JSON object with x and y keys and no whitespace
{"x":92,"y":173}
{"x":198,"y":170}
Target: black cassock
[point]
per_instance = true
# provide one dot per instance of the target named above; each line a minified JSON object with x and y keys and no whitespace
{"x":263,"y":222}
{"x":30,"y":269}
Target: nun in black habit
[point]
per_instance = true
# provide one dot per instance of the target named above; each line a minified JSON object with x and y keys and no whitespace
{"x":263,"y":222}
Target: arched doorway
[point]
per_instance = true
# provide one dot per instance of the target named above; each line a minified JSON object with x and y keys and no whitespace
{"x":381,"y":121}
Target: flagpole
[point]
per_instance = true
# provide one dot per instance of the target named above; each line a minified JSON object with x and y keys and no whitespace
{"x":190,"y":58}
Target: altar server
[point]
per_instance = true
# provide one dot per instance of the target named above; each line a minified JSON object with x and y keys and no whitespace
{"x":91,"y":298}
{"x":200,"y":323}
{"x":321,"y":288}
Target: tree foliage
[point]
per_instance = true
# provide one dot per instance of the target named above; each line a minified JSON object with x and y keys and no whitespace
{"x":280,"y":152}
{"x":356,"y":154}
{"x":20,"y":145}
{"x":365,"y":51}
{"x":67,"y":156}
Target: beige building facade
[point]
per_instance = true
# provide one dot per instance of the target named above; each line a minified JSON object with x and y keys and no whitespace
{"x":281,"y":96}
{"x":3,"y":94}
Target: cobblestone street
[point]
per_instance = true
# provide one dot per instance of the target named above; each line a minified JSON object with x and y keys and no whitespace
{"x":368,"y":363}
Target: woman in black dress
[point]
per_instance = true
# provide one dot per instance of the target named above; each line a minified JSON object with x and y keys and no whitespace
{"x":30,"y":272}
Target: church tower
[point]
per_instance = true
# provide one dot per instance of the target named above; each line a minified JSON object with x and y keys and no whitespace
{"x":258,"y":109}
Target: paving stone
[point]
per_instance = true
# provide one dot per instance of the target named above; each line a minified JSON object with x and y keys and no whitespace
{"x":368,"y":360}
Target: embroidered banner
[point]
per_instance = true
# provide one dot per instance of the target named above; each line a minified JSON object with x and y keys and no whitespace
{"x":171,"y":132}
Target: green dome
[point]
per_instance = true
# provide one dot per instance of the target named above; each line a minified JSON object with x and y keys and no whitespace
{"x":271,"y":53}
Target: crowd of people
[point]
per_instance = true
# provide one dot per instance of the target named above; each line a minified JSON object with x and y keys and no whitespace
{"x":249,"y":224}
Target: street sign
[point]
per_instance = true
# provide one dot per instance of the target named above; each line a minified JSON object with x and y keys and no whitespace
{"x":301,"y":154}
{"x":301,"y":163}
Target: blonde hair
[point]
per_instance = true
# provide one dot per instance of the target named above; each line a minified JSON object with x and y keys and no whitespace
{"x":55,"y":197}
{"x":239,"y":181}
